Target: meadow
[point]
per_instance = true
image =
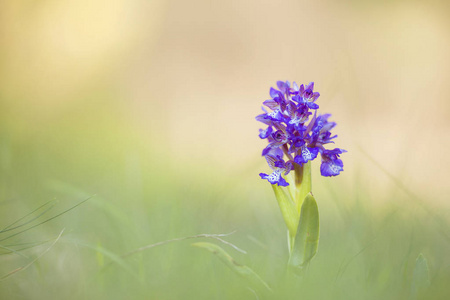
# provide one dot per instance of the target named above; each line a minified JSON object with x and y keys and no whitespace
{"x":137,"y":197}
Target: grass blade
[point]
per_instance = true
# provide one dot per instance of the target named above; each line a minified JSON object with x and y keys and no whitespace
{"x":8,"y":228}
{"x":239,"y":269}
{"x":20,"y":269}
{"x":421,"y":278}
{"x":47,"y":220}
{"x":203,"y":235}
{"x":117,"y":259}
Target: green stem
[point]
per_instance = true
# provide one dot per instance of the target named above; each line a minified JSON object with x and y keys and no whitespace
{"x":290,"y":200}
{"x":291,"y":241}
{"x":303,"y":184}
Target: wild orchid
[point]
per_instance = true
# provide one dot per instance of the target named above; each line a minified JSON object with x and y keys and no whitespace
{"x":297,"y":135}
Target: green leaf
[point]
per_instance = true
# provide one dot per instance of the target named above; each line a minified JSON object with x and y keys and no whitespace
{"x":307,"y":237}
{"x":421,"y":278}
{"x":239,"y":269}
{"x":287,"y":208}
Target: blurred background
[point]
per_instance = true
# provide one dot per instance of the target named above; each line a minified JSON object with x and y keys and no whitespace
{"x":150,"y":106}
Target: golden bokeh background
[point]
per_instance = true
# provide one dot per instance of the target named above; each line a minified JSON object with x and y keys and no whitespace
{"x":191,"y":75}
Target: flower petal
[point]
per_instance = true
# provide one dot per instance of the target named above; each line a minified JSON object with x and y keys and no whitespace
{"x":265,"y":133}
{"x":306,"y":155}
{"x":282,"y":181}
{"x":331,"y":167}
{"x":274,"y":93}
{"x":271,"y":160}
{"x":312,"y":105}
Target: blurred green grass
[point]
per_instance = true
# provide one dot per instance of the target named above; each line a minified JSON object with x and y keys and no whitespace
{"x":144,"y":195}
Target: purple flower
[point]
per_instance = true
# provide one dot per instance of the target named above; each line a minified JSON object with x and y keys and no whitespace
{"x":295,"y":132}
{"x":264,"y":134}
{"x":278,"y":166}
{"x":278,"y":138}
{"x":331,"y":164}
{"x":297,"y":115}
{"x":306,"y":96}
{"x":320,"y":131}
{"x":284,"y":86}
{"x":306,"y":154}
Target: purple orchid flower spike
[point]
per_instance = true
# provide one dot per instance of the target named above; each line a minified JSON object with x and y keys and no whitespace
{"x":296,"y":135}
{"x":292,"y":132}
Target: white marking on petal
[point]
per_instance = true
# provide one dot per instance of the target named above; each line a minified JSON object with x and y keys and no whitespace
{"x":295,"y":120}
{"x":334,"y":168}
{"x":275,"y":176}
{"x":306,"y":153}
{"x":274,"y":113}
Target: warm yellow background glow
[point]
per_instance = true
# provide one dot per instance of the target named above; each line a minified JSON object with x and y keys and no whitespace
{"x":188,"y":77}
